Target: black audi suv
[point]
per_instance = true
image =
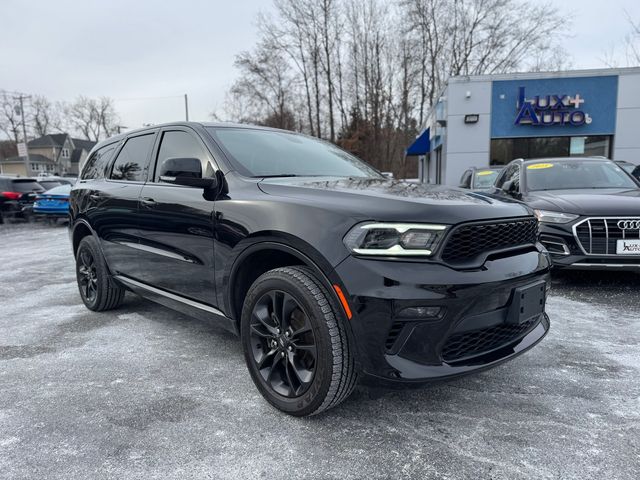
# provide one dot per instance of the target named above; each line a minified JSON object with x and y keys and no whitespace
{"x":327,"y":270}
{"x":589,"y":209}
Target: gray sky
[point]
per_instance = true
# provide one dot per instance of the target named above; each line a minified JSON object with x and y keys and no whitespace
{"x":138,"y":49}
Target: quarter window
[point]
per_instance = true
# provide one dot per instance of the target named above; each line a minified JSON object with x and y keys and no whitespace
{"x":180,"y":144}
{"x":97,"y":163}
{"x":132,"y":162}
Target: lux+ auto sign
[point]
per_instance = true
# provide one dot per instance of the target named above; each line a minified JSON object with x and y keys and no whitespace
{"x":546,"y":110}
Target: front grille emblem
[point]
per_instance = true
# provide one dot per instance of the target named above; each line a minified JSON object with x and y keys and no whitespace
{"x":629,"y":224}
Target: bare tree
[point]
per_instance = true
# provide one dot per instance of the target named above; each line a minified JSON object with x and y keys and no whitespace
{"x":10,"y":116}
{"x":364,"y":73}
{"x":94,"y":119}
{"x":264,"y":87}
{"x":44,"y":116}
{"x":632,"y":42}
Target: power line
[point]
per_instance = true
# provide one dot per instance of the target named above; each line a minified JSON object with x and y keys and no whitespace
{"x":146,"y":98}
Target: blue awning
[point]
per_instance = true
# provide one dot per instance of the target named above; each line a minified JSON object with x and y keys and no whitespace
{"x":421,"y":145}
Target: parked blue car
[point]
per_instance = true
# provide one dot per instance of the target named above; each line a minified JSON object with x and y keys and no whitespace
{"x":53,"y":203}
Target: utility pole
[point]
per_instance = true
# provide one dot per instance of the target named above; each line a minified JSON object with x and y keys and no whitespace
{"x":186,"y":107}
{"x":21,"y":98}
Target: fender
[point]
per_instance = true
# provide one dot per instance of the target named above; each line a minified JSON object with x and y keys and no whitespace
{"x":72,"y":229}
{"x":320,"y":267}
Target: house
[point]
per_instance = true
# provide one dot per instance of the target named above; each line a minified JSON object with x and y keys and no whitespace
{"x":57,"y":153}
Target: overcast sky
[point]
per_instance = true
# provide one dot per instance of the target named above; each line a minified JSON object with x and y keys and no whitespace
{"x":132,"y":50}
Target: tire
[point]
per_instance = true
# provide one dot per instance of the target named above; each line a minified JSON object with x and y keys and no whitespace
{"x":99,"y":292}
{"x":316,"y":369}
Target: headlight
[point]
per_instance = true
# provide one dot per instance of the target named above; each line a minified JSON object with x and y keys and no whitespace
{"x":555,"y":217}
{"x":394,"y":239}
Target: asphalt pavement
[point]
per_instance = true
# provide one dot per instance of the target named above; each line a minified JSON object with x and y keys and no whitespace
{"x":144,"y":392}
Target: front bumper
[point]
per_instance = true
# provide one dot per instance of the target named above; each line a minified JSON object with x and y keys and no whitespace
{"x":566,"y":252}
{"x":475,"y":329}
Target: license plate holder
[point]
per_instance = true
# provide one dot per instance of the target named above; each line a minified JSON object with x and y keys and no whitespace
{"x":528,"y":301}
{"x":628,"y":246}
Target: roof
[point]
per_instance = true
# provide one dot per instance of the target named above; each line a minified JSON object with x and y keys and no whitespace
{"x":598,"y":72}
{"x":76,"y":154}
{"x":564,"y":159}
{"x":52,"y":140}
{"x":58,"y":139}
{"x":33,"y":157}
{"x":84,"y":144}
{"x":122,"y":135}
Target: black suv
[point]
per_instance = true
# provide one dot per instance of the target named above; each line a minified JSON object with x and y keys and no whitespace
{"x":325,"y":268}
{"x":17,"y":195}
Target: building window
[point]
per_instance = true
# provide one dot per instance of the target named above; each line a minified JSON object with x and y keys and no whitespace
{"x":503,"y":150}
{"x":65,"y":153}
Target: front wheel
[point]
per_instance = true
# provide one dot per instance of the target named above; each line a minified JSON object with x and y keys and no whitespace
{"x":295,"y":343}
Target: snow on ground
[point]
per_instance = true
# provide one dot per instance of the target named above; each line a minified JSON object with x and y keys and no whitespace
{"x":143,"y":392}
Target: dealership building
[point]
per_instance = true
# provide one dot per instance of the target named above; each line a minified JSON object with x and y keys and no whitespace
{"x":486,"y":120}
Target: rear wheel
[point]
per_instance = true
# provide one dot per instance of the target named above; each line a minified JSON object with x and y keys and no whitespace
{"x":98,"y":290}
{"x":295,"y":344}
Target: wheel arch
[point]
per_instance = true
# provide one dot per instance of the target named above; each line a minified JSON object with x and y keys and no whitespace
{"x":80,"y":229}
{"x":266,"y":254}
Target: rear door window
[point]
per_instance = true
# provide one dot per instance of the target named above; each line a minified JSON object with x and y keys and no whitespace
{"x":132,"y":163}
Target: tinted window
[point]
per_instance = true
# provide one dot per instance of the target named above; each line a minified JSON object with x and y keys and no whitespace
{"x":132,"y":162}
{"x":506,"y":175}
{"x":562,"y":175}
{"x":272,"y":153}
{"x":97,"y":163}
{"x":179,"y":144}
{"x":24,"y":186}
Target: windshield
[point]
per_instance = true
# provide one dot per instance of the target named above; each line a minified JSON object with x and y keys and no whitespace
{"x":485,"y":178}
{"x":576,"y":175}
{"x":264,"y":153}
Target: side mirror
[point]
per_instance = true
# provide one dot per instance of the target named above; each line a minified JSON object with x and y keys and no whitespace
{"x":510,"y":188}
{"x":185,"y":171}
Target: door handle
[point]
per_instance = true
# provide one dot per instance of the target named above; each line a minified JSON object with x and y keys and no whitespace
{"x":148,"y":202}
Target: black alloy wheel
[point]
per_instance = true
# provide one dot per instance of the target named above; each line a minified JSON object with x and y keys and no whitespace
{"x":87,"y":275}
{"x":97,"y":288}
{"x":296,"y":343}
{"x":283,"y":343}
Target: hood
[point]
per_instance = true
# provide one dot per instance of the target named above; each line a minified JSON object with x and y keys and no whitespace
{"x":392,"y":200}
{"x":588,"y":202}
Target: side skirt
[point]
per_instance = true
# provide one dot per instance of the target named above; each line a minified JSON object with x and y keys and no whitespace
{"x":181,"y":304}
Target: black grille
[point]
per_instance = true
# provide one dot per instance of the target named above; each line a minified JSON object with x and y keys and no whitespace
{"x":468,"y":241}
{"x":476,"y":342}
{"x":599,"y":236}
